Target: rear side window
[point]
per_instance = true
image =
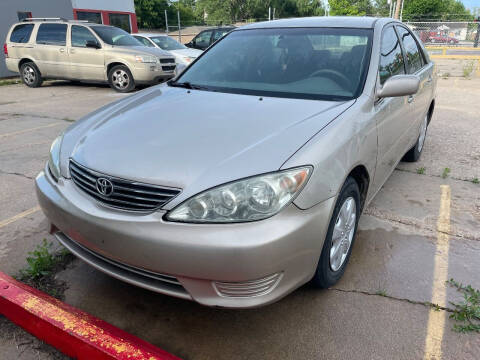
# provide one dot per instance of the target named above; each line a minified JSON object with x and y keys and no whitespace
{"x":52,"y":34}
{"x":414,"y":56}
{"x":21,"y":33}
{"x":391,"y":58}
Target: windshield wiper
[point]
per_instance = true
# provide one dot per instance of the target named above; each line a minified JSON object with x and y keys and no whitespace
{"x":187,"y":85}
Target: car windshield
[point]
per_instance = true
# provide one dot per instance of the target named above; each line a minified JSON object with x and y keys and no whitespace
{"x":115,"y":36}
{"x":306,"y":63}
{"x":167,"y":43}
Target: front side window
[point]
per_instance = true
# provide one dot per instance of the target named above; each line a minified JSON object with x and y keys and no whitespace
{"x":80,"y":36}
{"x":90,"y":16}
{"x":306,"y":63}
{"x":52,"y":34}
{"x":21,"y":33}
{"x":219,"y":33}
{"x":414,"y":57}
{"x":167,"y":43}
{"x":144,"y":41}
{"x":391,"y":58}
{"x":115,"y":36}
{"x":203,"y":39}
{"x":121,"y":21}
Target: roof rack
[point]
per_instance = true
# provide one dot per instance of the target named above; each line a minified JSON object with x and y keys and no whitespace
{"x":54,"y":19}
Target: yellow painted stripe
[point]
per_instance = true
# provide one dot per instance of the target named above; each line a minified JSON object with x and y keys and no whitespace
{"x":461,"y":57}
{"x":28,"y":130}
{"x":452,"y":48}
{"x":436,"y":319}
{"x":19,"y":216}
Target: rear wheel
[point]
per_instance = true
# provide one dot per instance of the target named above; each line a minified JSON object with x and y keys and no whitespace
{"x":416,"y":151}
{"x":121,"y":79}
{"x":340,"y":236}
{"x":31,"y":75}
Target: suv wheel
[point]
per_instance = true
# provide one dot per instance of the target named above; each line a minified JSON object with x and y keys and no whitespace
{"x":414,"y":153}
{"x":31,"y":75}
{"x":340,"y":236}
{"x":121,"y":79}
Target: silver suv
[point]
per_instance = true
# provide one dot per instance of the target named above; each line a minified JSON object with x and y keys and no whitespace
{"x":55,"y":48}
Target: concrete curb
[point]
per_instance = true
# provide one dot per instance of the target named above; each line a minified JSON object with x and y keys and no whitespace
{"x":73,"y":332}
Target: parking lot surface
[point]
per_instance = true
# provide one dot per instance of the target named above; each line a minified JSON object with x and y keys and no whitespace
{"x":420,"y":230}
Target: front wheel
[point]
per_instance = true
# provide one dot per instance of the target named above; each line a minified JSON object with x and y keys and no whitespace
{"x":31,"y":75}
{"x":340,"y":236}
{"x":121,"y":79}
{"x":414,"y":153}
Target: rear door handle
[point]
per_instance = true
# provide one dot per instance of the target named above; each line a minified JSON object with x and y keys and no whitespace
{"x":72,"y":51}
{"x":410,"y":99}
{"x":61,"y":50}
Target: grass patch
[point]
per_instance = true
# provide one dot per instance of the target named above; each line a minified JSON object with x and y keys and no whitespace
{"x":445,"y":173}
{"x":421,"y":171}
{"x":468,"y":69}
{"x":42,"y":265}
{"x":381,"y":292}
{"x":467,"y":312}
{"x":475,"y":180}
{"x":10,"y":82}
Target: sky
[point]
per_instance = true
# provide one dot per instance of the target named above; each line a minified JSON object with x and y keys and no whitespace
{"x":471,"y":3}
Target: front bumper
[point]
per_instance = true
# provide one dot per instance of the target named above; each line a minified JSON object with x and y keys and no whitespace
{"x":151,"y":73}
{"x":191,"y":261}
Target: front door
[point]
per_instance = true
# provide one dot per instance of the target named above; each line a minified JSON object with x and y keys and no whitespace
{"x":392,"y":114}
{"x":202,"y":40}
{"x":86,"y":63}
{"x":50,"y":50}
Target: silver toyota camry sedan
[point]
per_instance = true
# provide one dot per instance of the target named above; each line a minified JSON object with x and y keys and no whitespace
{"x":244,"y":177}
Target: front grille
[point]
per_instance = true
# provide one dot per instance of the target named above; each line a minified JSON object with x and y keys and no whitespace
{"x":250,"y":288}
{"x":168,"y":68}
{"x":125,"y":194}
{"x":167,"y":61}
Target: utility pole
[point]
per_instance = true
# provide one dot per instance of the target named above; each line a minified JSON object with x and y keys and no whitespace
{"x":273,"y":16}
{"x":401,"y":11}
{"x":166,"y":21}
{"x":179,"y":28}
{"x":269,"y":13}
{"x":397,"y":10}
{"x":477,"y":36}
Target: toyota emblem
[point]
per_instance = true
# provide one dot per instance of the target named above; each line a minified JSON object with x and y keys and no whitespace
{"x":104,"y":186}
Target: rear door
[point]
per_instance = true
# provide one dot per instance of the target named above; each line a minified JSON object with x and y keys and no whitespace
{"x":86,"y":63}
{"x":51,"y":50}
{"x":393,"y":113}
{"x":18,"y":41}
{"x":417,"y":64}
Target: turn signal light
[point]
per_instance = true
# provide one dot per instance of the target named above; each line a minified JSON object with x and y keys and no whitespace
{"x":5,"y":50}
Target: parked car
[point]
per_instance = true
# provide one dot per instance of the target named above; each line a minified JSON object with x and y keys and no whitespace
{"x":443,"y":39}
{"x":41,"y":49}
{"x":244,"y":177}
{"x":207,"y":37}
{"x":183,"y":55}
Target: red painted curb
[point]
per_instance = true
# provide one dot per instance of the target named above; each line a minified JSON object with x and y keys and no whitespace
{"x":72,"y":331}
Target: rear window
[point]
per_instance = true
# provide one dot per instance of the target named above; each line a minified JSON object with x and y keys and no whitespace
{"x":21,"y":33}
{"x":52,"y":34}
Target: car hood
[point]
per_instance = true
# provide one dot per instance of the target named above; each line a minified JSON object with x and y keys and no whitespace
{"x":192,"y":139}
{"x":194,"y":53}
{"x":139,"y":50}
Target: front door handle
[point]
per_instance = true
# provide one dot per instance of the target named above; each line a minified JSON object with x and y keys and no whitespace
{"x":61,"y":50}
{"x":410,"y":99}
{"x":72,"y":51}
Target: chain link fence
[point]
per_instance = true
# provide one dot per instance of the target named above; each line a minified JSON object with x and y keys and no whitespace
{"x":460,"y":34}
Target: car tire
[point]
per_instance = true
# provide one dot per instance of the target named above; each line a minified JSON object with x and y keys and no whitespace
{"x":30,"y":75}
{"x":120,"y":79}
{"x":416,"y":151}
{"x":340,"y":236}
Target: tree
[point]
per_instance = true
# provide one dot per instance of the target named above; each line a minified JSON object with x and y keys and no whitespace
{"x":418,"y":10}
{"x":351,"y":7}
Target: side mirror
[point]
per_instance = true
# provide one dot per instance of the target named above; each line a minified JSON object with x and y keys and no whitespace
{"x":399,"y":85}
{"x":189,"y":44}
{"x":92,"y":44}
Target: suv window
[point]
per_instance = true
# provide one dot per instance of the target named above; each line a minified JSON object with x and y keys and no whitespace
{"x":80,"y":36}
{"x":414,"y":57}
{"x":21,"y":33}
{"x":203,"y":39}
{"x":144,"y":41}
{"x":52,"y":34}
{"x":391,"y":58}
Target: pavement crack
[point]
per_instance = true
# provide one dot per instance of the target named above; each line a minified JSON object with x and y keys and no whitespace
{"x":433,"y":175}
{"x":415,"y":302}
{"x":16,"y":174}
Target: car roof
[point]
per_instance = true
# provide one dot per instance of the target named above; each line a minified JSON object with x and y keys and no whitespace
{"x":363,"y":22}
{"x":149,"y":34}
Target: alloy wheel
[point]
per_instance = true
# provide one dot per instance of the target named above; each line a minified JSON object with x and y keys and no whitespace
{"x":423,"y":134}
{"x":343,"y":232}
{"x":120,"y":79}
{"x":29,"y":75}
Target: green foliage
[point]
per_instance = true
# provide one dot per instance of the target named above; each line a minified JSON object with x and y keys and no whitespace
{"x":39,"y":262}
{"x":421,"y":171}
{"x":351,"y":7}
{"x":423,"y":10}
{"x":445,"y":173}
{"x":475,"y":180}
{"x":467,"y":312}
{"x":468,"y":68}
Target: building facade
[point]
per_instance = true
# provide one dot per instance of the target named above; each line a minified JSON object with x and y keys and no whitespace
{"x":120,"y":13}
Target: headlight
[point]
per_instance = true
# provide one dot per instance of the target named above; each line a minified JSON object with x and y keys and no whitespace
{"x":54,"y":158}
{"x":245,"y":200}
{"x":145,"y":59}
